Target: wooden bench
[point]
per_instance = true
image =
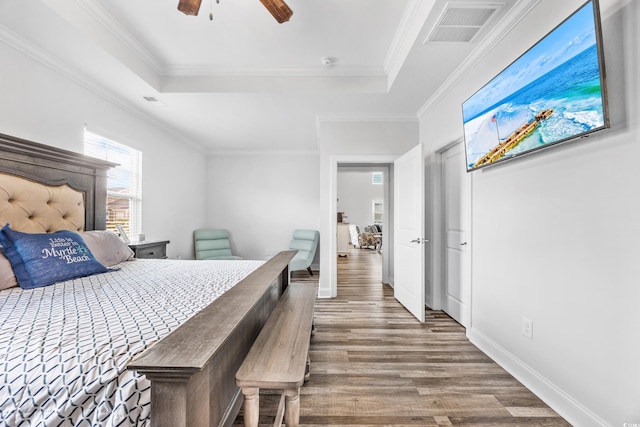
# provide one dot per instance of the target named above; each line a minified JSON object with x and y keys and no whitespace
{"x":278,"y":358}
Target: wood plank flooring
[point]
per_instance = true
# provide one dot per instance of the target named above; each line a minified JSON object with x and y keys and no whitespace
{"x":373,"y":364}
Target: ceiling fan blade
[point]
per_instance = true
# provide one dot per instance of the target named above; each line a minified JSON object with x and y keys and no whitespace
{"x":279,"y":9}
{"x":189,"y":7}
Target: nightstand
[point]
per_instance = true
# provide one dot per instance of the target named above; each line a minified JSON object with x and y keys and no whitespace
{"x":150,"y":250}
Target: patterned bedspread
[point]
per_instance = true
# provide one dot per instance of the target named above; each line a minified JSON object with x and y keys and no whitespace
{"x":64,"y":348}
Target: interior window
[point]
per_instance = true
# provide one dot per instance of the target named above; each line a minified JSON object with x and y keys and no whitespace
{"x":376,"y":178}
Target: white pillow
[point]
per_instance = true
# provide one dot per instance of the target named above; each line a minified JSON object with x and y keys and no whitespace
{"x":107,"y":247}
{"x":7,"y":277}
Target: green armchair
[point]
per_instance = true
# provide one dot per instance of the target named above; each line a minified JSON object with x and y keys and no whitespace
{"x":213,"y":244}
{"x":306,"y":243}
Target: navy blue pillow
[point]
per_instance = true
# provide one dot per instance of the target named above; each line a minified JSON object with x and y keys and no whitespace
{"x":44,"y":259}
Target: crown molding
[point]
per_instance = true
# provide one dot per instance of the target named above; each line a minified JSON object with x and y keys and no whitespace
{"x":409,"y":29}
{"x":42,"y":56}
{"x":263,"y":153}
{"x":55,"y":64}
{"x":94,"y":9}
{"x":502,"y":28}
{"x":280,"y":71}
{"x":348,"y":117}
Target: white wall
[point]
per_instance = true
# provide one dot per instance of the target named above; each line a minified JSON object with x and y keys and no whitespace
{"x":555,"y":237}
{"x":356,"y":194}
{"x":352,"y":142}
{"x":40,"y":104}
{"x":261,"y":199}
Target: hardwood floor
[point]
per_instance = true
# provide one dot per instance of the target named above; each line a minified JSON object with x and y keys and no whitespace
{"x":373,"y":364}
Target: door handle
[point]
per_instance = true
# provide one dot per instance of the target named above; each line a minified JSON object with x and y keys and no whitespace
{"x":463,"y":244}
{"x":419,"y":240}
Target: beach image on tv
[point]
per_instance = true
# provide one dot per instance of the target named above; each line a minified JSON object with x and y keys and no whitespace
{"x":551,"y":93}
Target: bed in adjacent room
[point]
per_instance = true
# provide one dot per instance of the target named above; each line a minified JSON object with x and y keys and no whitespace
{"x":135,"y":342}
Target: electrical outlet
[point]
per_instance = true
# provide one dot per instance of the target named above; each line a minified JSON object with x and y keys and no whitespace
{"x":527,"y":327}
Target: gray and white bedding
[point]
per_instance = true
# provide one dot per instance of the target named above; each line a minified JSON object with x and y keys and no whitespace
{"x":64,"y":348}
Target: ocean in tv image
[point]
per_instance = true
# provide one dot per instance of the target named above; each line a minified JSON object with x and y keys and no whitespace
{"x":551,"y":93}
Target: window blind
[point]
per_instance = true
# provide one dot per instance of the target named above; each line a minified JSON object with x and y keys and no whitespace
{"x":124,"y":182}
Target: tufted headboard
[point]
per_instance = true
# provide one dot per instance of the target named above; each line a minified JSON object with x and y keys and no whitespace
{"x":45,"y":189}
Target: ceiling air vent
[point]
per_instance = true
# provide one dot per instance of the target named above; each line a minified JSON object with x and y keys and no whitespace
{"x":154,"y":101}
{"x":460,"y":22}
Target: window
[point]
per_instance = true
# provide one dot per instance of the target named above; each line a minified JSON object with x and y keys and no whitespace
{"x":376,"y":178}
{"x":377,"y":211}
{"x":124,"y":182}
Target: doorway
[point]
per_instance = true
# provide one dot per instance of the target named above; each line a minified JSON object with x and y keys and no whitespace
{"x":364,"y":217}
{"x":408,"y":168}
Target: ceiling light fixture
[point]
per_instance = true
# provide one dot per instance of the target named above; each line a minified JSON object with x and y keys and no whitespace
{"x":277,"y":8}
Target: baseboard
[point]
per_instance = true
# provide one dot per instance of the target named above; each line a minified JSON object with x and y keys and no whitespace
{"x":557,"y":399}
{"x":324,"y":293}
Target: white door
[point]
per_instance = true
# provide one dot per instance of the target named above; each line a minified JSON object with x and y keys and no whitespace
{"x":409,"y":231}
{"x":457,"y":217}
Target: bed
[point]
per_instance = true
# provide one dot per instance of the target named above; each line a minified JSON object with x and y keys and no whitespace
{"x":148,"y":343}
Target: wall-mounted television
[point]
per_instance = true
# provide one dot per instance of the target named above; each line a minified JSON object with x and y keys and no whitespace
{"x":554,"y":92}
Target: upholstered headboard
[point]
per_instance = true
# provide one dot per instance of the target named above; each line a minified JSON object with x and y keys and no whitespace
{"x":32,"y":207}
{"x":45,"y":189}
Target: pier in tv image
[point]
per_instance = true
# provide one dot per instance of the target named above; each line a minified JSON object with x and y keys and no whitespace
{"x":552,"y":93}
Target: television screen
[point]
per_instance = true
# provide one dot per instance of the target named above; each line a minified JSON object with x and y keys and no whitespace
{"x":554,"y":92}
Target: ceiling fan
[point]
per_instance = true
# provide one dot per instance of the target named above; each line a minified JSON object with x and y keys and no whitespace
{"x":277,"y":8}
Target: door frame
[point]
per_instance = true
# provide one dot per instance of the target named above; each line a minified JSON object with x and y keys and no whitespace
{"x":333,"y":211}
